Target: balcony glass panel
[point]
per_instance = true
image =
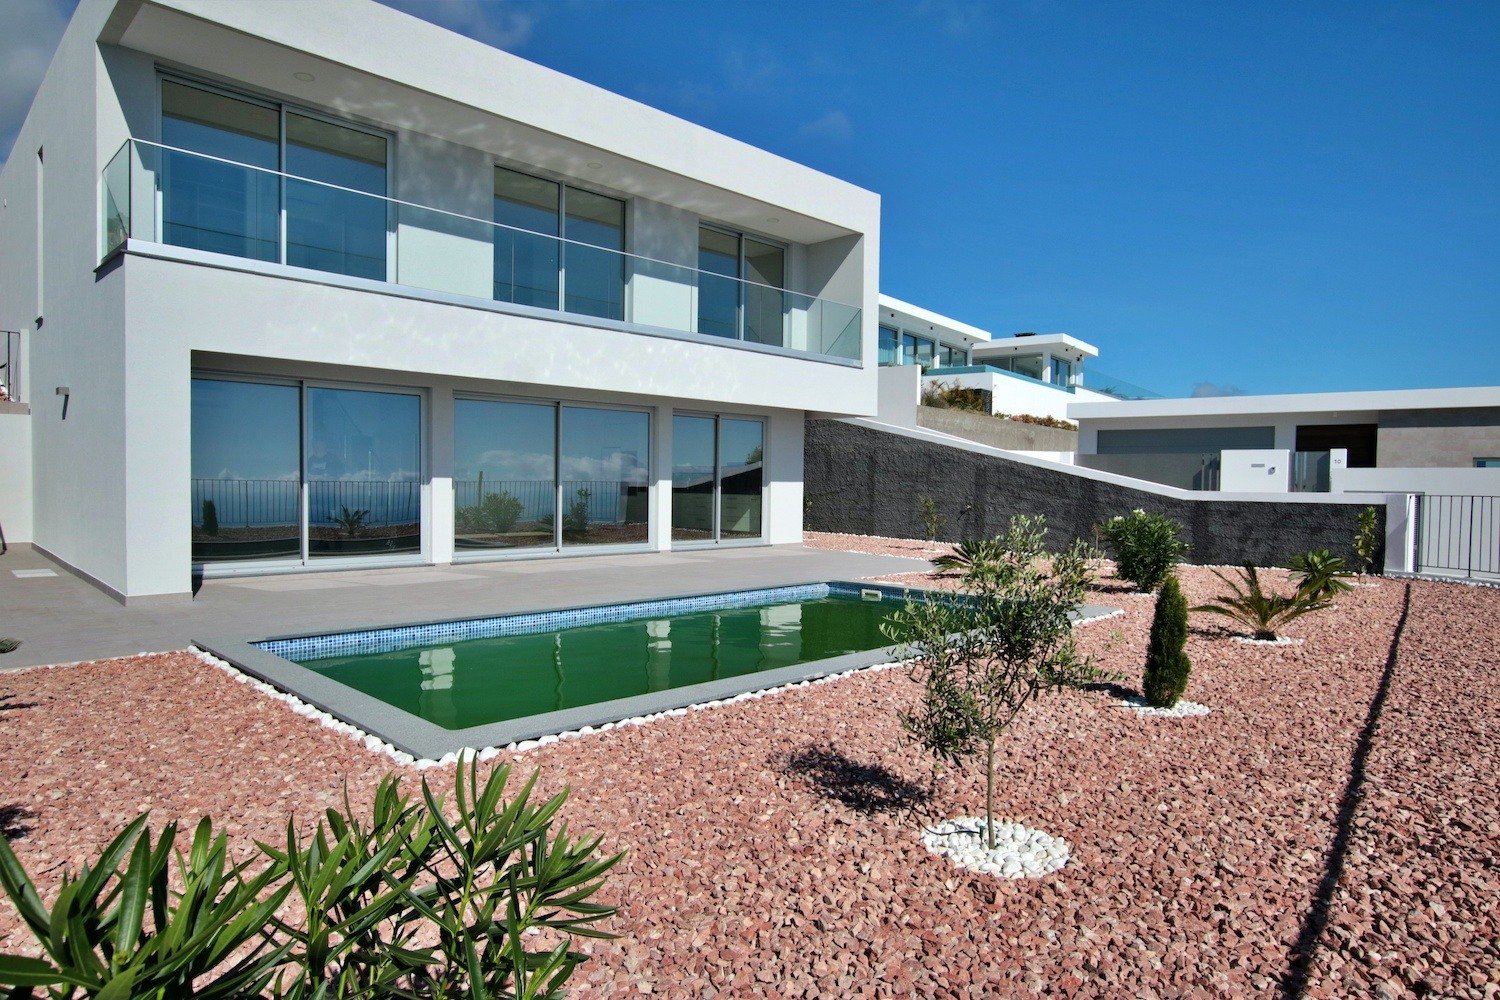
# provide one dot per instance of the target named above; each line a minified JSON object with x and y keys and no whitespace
{"x":693,"y":470}
{"x":527,"y":254}
{"x":247,"y":471}
{"x":504,"y":481}
{"x":742,"y":450}
{"x":604,"y":457}
{"x":328,"y":227}
{"x":151,"y":192}
{"x":364,"y":472}
{"x":208,"y":204}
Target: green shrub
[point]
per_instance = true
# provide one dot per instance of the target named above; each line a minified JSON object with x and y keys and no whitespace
{"x":1256,"y":609}
{"x":1167,"y":663}
{"x":495,"y":513}
{"x":1029,"y":418}
{"x":473,"y":897}
{"x":983,"y":658}
{"x":9,"y":645}
{"x":1366,"y":540}
{"x":1146,"y":547}
{"x":932,"y":522}
{"x":1320,"y":573}
{"x":210,"y":518}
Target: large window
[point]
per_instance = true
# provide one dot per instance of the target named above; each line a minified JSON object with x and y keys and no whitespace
{"x":917,"y":350}
{"x":558,"y":244}
{"x":285,"y":470}
{"x":890,"y":346}
{"x":335,"y":218}
{"x":952,"y":357}
{"x":741,"y":290}
{"x":544,"y":475}
{"x":718,"y":478}
{"x":1030,"y":365}
{"x":1062,"y":371}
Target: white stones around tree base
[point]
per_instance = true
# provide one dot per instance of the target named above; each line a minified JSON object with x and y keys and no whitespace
{"x":1280,"y":640}
{"x":1182,"y":710}
{"x":1019,"y":852}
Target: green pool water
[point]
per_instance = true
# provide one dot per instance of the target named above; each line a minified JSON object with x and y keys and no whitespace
{"x":480,"y":681}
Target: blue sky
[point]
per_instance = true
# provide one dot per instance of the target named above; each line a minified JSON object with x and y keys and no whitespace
{"x":1262,"y":197}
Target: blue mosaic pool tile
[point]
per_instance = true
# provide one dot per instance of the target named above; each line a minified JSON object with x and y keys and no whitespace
{"x":385,"y":640}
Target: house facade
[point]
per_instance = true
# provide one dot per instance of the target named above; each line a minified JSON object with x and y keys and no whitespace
{"x":1390,"y":441}
{"x":295,"y":292}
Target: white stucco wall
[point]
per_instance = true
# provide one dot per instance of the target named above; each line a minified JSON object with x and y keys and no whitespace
{"x":1014,"y":395}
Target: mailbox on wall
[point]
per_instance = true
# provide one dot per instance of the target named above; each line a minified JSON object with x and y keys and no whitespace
{"x":1255,"y":471}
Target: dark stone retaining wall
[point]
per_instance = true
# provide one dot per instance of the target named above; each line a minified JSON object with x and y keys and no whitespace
{"x":865,"y":481}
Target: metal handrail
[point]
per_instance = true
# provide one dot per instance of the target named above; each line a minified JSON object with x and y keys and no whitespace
{"x":471,"y":218}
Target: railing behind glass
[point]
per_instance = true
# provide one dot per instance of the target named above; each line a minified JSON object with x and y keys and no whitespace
{"x":1101,"y":382}
{"x":983,"y":369}
{"x":162,"y":194}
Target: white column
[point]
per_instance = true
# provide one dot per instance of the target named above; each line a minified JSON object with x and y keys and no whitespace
{"x":437,"y":495}
{"x":661,"y":460}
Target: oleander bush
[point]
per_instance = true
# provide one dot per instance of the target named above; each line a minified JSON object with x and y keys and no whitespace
{"x":1366,"y":540}
{"x":479,"y":896}
{"x":1030,"y":418}
{"x":1146,"y":547}
{"x":1167,"y":664}
{"x":952,"y":396}
{"x":1262,"y":612}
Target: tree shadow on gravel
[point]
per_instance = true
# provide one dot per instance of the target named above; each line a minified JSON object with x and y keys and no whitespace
{"x":13,"y":825}
{"x":1315,"y":923}
{"x":866,"y":788}
{"x":8,"y":703}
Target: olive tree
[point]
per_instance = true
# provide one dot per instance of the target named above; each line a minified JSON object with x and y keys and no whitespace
{"x":986,"y":653}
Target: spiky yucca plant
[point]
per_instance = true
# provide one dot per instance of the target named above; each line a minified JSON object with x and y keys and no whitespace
{"x":1260,"y":611}
{"x":1320,"y":573}
{"x":970,"y":553}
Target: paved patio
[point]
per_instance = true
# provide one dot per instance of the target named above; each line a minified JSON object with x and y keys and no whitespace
{"x":60,"y":618}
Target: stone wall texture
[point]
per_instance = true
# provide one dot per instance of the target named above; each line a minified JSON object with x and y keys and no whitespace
{"x":865,"y":481}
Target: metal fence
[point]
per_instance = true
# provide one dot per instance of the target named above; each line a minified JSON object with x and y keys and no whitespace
{"x":260,"y":503}
{"x":10,"y":366}
{"x":1458,"y":535}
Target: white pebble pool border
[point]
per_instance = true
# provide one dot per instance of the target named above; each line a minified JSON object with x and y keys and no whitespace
{"x":1019,"y":852}
{"x":376,"y":744}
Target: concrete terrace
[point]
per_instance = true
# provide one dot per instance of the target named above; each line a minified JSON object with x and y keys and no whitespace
{"x":61,"y":618}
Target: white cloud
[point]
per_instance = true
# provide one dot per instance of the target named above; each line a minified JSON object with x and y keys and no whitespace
{"x":29,"y":32}
{"x":1202,"y":389}
{"x":834,"y":125}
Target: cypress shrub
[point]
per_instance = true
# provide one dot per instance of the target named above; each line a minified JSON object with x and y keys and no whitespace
{"x":210,"y":518}
{"x":1167,"y":663}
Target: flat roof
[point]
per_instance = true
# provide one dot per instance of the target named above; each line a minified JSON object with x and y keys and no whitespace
{"x":894,"y":309}
{"x":1463,"y":397}
{"x":1068,"y":344}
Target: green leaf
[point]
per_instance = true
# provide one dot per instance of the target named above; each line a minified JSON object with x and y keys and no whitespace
{"x":16,"y":970}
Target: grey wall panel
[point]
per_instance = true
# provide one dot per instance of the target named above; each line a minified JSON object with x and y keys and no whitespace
{"x":1183,"y":440}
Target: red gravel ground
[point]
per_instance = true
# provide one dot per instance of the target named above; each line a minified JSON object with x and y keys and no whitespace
{"x":771,"y":852}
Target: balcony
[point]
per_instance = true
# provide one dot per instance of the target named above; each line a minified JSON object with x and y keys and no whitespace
{"x":154,"y":193}
{"x":983,"y":369}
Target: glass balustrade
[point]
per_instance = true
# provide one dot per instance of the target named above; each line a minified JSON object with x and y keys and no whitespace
{"x":160,"y":194}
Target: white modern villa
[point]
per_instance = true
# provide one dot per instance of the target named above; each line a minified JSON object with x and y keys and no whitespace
{"x":290,"y":292}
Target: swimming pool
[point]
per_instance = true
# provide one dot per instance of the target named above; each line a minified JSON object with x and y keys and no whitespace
{"x":429,"y":689}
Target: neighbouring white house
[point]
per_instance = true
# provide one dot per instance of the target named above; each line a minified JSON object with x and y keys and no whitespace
{"x":1030,"y":374}
{"x":290,"y":289}
{"x":1440,"y":441}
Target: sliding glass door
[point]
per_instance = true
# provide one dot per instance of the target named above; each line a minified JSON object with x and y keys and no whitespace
{"x":364,"y":484}
{"x":297,"y":472}
{"x":549,"y":475}
{"x":252,"y":178}
{"x":741,"y":287}
{"x":718,"y":478}
{"x":558,"y":246}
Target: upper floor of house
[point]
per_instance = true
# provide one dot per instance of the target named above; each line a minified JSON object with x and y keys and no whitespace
{"x":358,"y":147}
